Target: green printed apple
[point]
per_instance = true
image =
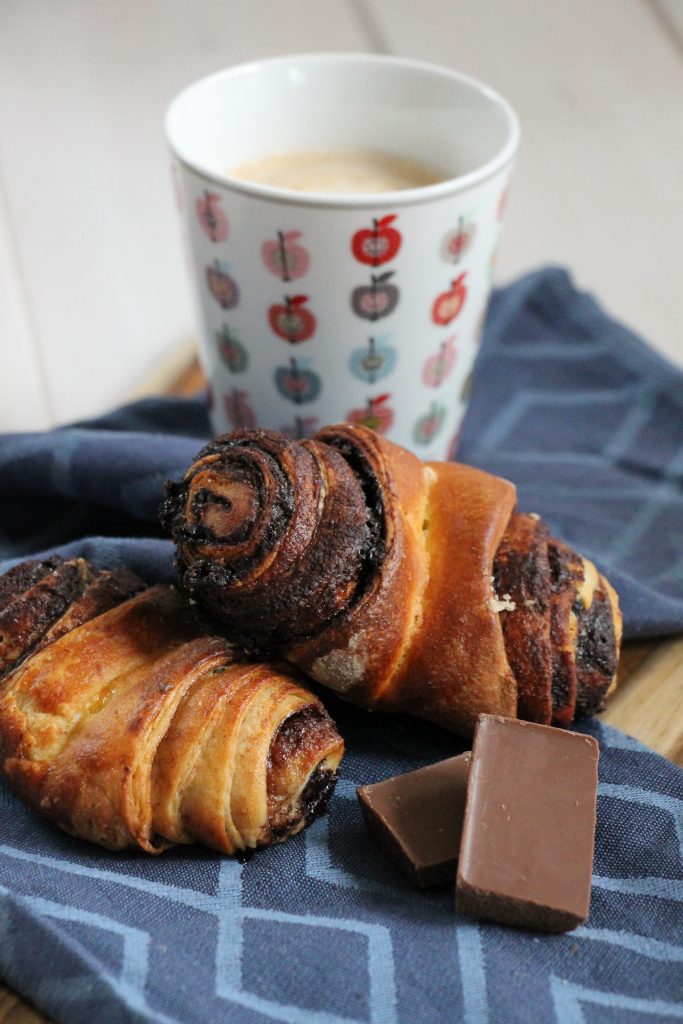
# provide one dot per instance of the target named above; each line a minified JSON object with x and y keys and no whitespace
{"x":448,"y":304}
{"x":428,"y":426}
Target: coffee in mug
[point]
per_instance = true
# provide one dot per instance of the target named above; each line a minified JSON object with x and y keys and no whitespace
{"x":318,"y":303}
{"x":344,"y":171}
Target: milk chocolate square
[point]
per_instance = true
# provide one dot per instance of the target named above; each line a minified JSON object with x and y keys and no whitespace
{"x":526,"y":854}
{"x":417,"y":818}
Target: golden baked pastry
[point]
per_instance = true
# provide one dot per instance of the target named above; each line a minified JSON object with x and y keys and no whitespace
{"x":125,"y":723}
{"x":402,"y":585}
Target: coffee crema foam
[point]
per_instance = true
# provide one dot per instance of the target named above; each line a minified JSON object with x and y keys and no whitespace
{"x":342,"y":171}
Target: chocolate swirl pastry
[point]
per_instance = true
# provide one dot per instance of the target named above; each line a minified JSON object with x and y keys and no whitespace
{"x":402,"y":585}
{"x":125,"y":723}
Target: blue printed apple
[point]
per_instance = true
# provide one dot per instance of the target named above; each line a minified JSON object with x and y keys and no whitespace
{"x":429,"y":425}
{"x":284,"y":256}
{"x":222,"y":286}
{"x":373,"y":362}
{"x":376,"y":415}
{"x":448,"y":304}
{"x":292,"y":321}
{"x":378,"y":244}
{"x":378,"y":299}
{"x":297,"y":382}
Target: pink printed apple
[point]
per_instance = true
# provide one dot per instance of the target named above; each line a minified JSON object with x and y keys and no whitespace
{"x":440,"y":366}
{"x":448,"y":304}
{"x":238,"y":410}
{"x":376,"y":415}
{"x":292,"y":321}
{"x":212,"y":219}
{"x":377,"y":299}
{"x":284,"y":257}
{"x":458,"y":242}
{"x":222,"y":286}
{"x":428,"y":426}
{"x":377,"y":244}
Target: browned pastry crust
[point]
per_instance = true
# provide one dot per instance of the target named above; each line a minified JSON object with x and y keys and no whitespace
{"x":128,"y":725}
{"x":402,"y":585}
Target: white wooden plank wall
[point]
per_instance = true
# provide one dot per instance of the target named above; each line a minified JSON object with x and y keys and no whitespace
{"x":94,"y":304}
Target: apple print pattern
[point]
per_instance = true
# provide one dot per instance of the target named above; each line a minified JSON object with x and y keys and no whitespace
{"x":373,"y":362}
{"x":285,"y":256}
{"x":233,"y":354}
{"x":298,"y":382}
{"x":376,"y":415}
{"x":303,"y":426}
{"x":376,"y":300}
{"x":222,"y":286}
{"x":212,"y":219}
{"x":378,"y":244}
{"x":291,"y":320}
{"x":238,"y":410}
{"x":458,"y":242}
{"x":448,"y":304}
{"x":429,"y":425}
{"x":439,"y":367}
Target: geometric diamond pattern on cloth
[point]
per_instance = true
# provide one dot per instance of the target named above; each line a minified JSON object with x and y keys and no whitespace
{"x":324,"y":930}
{"x":588,"y":422}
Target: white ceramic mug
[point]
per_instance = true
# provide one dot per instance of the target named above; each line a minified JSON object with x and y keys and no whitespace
{"x":316,"y":308}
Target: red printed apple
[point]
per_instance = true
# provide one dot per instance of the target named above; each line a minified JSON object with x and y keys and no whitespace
{"x":284,"y":257}
{"x":377,"y":299}
{"x":297,"y":383}
{"x":212,"y":219}
{"x":458,"y":242}
{"x":376,"y":415}
{"x":238,"y":410}
{"x":222,"y":286}
{"x":293,"y":321}
{"x":440,"y":366}
{"x":377,"y":244}
{"x":447,"y":305}
{"x":428,"y":426}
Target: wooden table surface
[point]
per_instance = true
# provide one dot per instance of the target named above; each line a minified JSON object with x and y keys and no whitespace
{"x":647,"y":704}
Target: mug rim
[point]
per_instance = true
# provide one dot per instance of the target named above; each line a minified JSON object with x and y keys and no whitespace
{"x":403,"y":197}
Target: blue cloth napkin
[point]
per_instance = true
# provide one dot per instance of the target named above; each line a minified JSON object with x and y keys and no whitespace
{"x":323,"y":930}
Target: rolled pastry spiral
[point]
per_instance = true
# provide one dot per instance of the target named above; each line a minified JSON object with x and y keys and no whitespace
{"x":402,"y":585}
{"x":126,"y":724}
